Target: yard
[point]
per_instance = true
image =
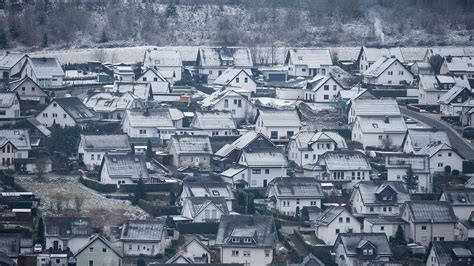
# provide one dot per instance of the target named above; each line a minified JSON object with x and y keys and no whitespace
{"x":64,"y":195}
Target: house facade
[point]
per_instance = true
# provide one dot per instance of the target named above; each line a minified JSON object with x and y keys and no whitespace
{"x":166,"y":61}
{"x":387,"y":132}
{"x":28,"y":90}
{"x":443,"y":158}
{"x":45,"y":71}
{"x":65,"y":112}
{"x":388,"y":71}
{"x":98,"y":251}
{"x":398,"y":164}
{"x":122,"y":169}
{"x":333,"y":221}
{"x":305,"y":62}
{"x":322,"y":89}
{"x":204,"y":209}
{"x":236,"y":78}
{"x":361,"y":249}
{"x":147,"y":237}
{"x":232,"y":101}
{"x":66,"y":233}
{"x":278,"y":125}
{"x":191,"y":151}
{"x":92,"y":148}
{"x":9,"y":105}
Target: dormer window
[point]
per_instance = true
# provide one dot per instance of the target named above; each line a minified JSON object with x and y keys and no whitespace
{"x":247,"y":240}
{"x":235,"y":240}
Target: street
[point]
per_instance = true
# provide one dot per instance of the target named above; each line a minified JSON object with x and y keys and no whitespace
{"x":457,"y":141}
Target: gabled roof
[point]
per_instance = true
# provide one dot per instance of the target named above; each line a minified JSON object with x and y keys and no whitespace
{"x":109,"y":102}
{"x":208,"y":189}
{"x":140,"y":89}
{"x":422,"y":137}
{"x":344,"y":160}
{"x":125,"y":166}
{"x":219,"y":95}
{"x":9,"y":60}
{"x":312,"y":58}
{"x":374,"y":54}
{"x":279,"y":118}
{"x":42,"y":128}
{"x":305,"y":139}
{"x":386,"y":107}
{"x":117,"y":142}
{"x":352,"y":242}
{"x":67,"y":227}
{"x":163,"y":58}
{"x":207,"y":120}
{"x":298,"y":187}
{"x":176,"y":257}
{"x":75,"y":108}
{"x":191,"y":144}
{"x":450,"y":95}
{"x":434,"y":147}
{"x":446,"y":51}
{"x":459,"y":196}
{"x":419,"y":163}
{"x":317,"y":82}
{"x":229,"y":75}
{"x":158,"y":118}
{"x":144,"y":230}
{"x":106,"y":242}
{"x":368,"y":192}
{"x":427,"y":211}
{"x":327,"y":216}
{"x":214,"y":56}
{"x":17,"y":84}
{"x":266,"y":158}
{"x":7,"y":99}
{"x":310,"y":260}
{"x":199,"y":204}
{"x":414,"y":54}
{"x":460,"y":64}
{"x":20,"y":138}
{"x":450,"y":252}
{"x":381,"y":65}
{"x":263,"y":227}
{"x":155,"y":72}
{"x":46,"y":67}
{"x":382,"y":124}
{"x":10,"y":244}
{"x":242,"y":142}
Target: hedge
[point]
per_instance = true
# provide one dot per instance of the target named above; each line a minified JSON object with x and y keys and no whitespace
{"x":95,"y":185}
{"x":468,"y":167}
{"x":156,"y":210}
{"x":197,"y":228}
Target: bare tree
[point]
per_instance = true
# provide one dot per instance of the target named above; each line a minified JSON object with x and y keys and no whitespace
{"x":40,"y":167}
{"x":100,"y":55}
{"x":59,"y":201}
{"x":78,"y":202}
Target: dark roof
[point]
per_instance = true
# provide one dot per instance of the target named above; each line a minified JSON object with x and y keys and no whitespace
{"x":353,"y":241}
{"x":5,"y":260}
{"x":106,"y":142}
{"x":10,"y":244}
{"x":260,"y":227}
{"x":67,"y":227}
{"x":75,"y":108}
{"x":425,"y":211}
{"x":143,"y":230}
{"x":125,"y":166}
{"x":369,"y":192}
{"x":459,"y":195}
{"x":328,"y":215}
{"x":451,"y":251}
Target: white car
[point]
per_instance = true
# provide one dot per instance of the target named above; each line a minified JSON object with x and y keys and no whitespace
{"x":37,"y":248}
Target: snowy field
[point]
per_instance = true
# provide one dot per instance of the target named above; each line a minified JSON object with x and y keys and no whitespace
{"x":103,"y":211}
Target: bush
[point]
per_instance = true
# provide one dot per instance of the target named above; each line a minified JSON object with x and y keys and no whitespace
{"x":158,"y":187}
{"x":455,"y":172}
{"x":197,"y":228}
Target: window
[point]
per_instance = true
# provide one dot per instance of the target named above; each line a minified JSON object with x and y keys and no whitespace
{"x":237,"y":80}
{"x":246,"y":253}
{"x":55,"y":115}
{"x":423,"y":227}
{"x":297,"y":201}
{"x":91,"y":263}
{"x":246,"y":80}
{"x":235,"y":240}
{"x":326,"y":87}
{"x":64,"y":115}
{"x":129,"y":247}
{"x":380,"y":137}
{"x":384,"y":209}
{"x":98,"y":156}
{"x":371,"y":209}
{"x":235,"y":253}
{"x":104,"y":250}
{"x":256,"y":171}
{"x":91,"y":249}
{"x":400,"y":73}
{"x":239,"y":103}
{"x":449,"y":154}
{"x":440,"y":155}
{"x":313,"y":203}
{"x":326,"y":97}
{"x":267,"y":171}
{"x":55,"y":104}
{"x":226,"y":103}
{"x":348,"y":220}
{"x":144,"y":78}
{"x":337,"y":231}
{"x":247,"y":240}
{"x":289,"y":134}
{"x":306,"y":156}
{"x":390,"y":73}
{"x":45,"y":115}
{"x":274,"y":134}
{"x":303,"y":69}
{"x":334,"y":87}
{"x":440,"y":164}
{"x":155,"y":79}
{"x":267,"y":253}
{"x":92,"y":157}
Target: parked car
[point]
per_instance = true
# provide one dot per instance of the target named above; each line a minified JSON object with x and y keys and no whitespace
{"x":37,"y":248}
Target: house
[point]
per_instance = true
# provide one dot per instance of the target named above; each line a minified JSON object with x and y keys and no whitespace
{"x":289,"y":195}
{"x":418,"y":138}
{"x":10,"y":65}
{"x":362,"y":249}
{"x":154,"y":124}
{"x":11,"y":247}
{"x":429,"y":221}
{"x":466,"y":228}
{"x":207,"y":190}
{"x":248,"y":239}
{"x":10,"y":106}
{"x":384,"y":224}
{"x":147,"y":237}
{"x":461,"y":200}
{"x":334,"y":221}
{"x":305,"y":62}
{"x":379,"y":131}
{"x":458,"y":66}
{"x":467,"y":113}
{"x":372,"y":107}
{"x":69,"y":111}
{"x":66,"y":233}
{"x":231,"y":101}
{"x":28,"y":90}
{"x":204,"y":209}
{"x":45,"y":71}
{"x":98,"y":251}
{"x":444,"y":253}
{"x":49,"y":259}
{"x":398,"y":164}
{"x":122,"y":169}
{"x":15,"y":145}
{"x":211,"y":62}
{"x":261,"y":166}
{"x":192,"y":252}
{"x":168,"y":60}
{"x":322,"y":89}
{"x":215,"y":123}
{"x":309,"y":260}
{"x":191,"y":151}
{"x":159,"y":85}
{"x":92,"y":148}
{"x":432,"y":87}
{"x":443,"y":158}
{"x":386,"y":198}
{"x":388,"y":71}
{"x":306,"y":146}
{"x":278,"y":125}
{"x":451,"y":102}
{"x":123,"y":73}
{"x":142,"y":90}
{"x":421,"y":68}
{"x":236,"y":78}
{"x":344,"y":168}
{"x":112,"y":106}
{"x":368,"y":56}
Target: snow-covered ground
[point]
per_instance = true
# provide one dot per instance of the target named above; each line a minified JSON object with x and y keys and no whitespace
{"x":102,"y":210}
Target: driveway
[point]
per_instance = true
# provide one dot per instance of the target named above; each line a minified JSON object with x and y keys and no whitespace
{"x":457,"y":142}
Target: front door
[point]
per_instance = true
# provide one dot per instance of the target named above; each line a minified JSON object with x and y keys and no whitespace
{"x":265,"y":183}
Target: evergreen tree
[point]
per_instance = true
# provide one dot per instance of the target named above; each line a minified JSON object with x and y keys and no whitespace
{"x":3,"y":39}
{"x":103,"y":36}
{"x":140,"y":192}
{"x":141,"y":261}
{"x":40,"y":231}
{"x":44,"y":42}
{"x":410,"y":180}
{"x":149,"y":150}
{"x":399,"y":236}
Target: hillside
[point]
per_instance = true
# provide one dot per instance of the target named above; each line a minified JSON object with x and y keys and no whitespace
{"x":240,"y":22}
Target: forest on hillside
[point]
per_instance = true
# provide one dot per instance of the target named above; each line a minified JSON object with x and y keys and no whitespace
{"x":42,"y":24}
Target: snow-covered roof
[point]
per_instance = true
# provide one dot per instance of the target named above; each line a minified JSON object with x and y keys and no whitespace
{"x":140,"y":89}
{"x":280,"y":118}
{"x":434,"y":147}
{"x":214,"y":120}
{"x":8,"y":60}
{"x":117,"y":142}
{"x":163,"y":58}
{"x":311,"y":57}
{"x":450,"y":95}
{"x":217,"y":96}
{"x":382,"y":64}
{"x":20,"y":138}
{"x":109,"y":102}
{"x":460,"y":64}
{"x":346,"y":54}
{"x":296,"y":187}
{"x":46,"y":67}
{"x":304,"y":139}
{"x":125,"y":166}
{"x":317,"y":82}
{"x":158,"y":118}
{"x":228,"y":75}
{"x":382,"y":124}
{"x":191,"y":144}
{"x":421,"y":137}
{"x":388,"y":107}
{"x":265,"y":157}
{"x":343,"y":160}
{"x":7,"y":99}
{"x":447,"y":51}
{"x":374,"y":54}
{"x":215,"y":56}
{"x":369,"y":190}
{"x":414,"y":54}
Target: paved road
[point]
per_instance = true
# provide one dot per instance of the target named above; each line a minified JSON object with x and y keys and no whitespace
{"x":456,"y":141}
